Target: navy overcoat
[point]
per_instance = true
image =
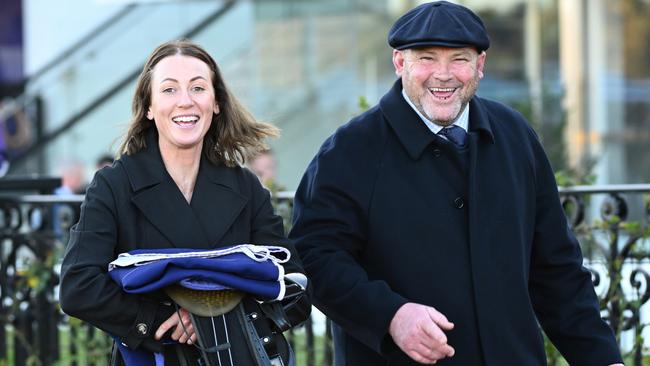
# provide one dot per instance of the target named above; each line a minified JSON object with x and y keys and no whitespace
{"x":385,"y":214}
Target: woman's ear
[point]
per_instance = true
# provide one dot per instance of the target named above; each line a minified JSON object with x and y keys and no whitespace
{"x":150,"y":115}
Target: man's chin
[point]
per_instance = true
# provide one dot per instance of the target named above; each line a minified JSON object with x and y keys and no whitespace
{"x":441,"y":119}
{"x":443,"y":115}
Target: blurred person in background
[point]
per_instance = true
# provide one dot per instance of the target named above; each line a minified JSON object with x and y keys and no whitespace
{"x":73,"y":182}
{"x":104,"y":160}
{"x":4,"y":157}
{"x":263,"y":164}
{"x":73,"y":178}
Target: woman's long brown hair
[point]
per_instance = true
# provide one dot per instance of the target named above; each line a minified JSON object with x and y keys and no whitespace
{"x":234,"y":134}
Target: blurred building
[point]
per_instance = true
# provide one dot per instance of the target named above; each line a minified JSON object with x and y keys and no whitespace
{"x":304,"y":65}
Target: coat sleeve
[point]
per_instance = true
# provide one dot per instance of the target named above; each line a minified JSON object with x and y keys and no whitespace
{"x":330,"y":233}
{"x":561,"y":289}
{"x":268,"y":228}
{"x":87,"y":292}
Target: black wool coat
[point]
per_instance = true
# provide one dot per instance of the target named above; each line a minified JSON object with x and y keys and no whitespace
{"x":386,"y":214}
{"x":135,"y":204}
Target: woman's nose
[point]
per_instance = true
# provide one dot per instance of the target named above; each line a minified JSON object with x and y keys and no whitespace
{"x":185,"y":99}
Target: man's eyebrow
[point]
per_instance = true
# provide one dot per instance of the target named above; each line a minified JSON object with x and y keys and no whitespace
{"x":422,"y":52}
{"x":461,"y":53}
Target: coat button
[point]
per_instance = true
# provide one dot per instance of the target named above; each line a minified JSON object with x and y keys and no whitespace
{"x":459,"y":203}
{"x":142,"y":328}
{"x":437,"y":152}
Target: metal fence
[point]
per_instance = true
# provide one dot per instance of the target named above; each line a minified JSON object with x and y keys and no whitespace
{"x":612,"y":225}
{"x":611,"y":221}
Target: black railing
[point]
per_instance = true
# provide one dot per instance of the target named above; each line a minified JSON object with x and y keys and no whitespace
{"x":33,"y":234}
{"x":611,"y":221}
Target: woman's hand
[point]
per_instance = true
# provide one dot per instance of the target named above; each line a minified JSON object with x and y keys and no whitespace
{"x":183,"y":329}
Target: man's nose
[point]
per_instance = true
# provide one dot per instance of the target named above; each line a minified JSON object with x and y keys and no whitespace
{"x":442,"y":72}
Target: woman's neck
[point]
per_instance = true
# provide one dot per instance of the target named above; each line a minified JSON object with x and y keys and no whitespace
{"x":183,"y":166}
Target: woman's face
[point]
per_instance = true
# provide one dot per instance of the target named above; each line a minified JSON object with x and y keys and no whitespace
{"x":182,"y":102}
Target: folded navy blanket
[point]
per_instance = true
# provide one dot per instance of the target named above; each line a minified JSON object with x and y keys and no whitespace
{"x":253,"y":269}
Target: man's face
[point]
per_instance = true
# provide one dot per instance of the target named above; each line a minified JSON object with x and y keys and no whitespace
{"x":440,"y":81}
{"x":263,"y":166}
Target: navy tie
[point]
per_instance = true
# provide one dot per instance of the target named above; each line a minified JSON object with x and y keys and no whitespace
{"x":455,"y":134}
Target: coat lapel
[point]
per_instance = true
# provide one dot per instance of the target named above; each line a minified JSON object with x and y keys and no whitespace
{"x":213,"y":209}
{"x":216,"y":202}
{"x":481,"y":138}
{"x":414,"y":135}
{"x":165,"y":207}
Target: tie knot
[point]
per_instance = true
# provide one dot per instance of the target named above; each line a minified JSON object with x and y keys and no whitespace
{"x":455,"y":134}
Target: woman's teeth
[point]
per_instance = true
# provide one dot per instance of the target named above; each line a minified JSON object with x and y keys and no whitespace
{"x":185,"y":120}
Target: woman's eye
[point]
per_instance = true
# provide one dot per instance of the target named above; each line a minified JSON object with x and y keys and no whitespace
{"x":198,"y":89}
{"x":168,"y":90}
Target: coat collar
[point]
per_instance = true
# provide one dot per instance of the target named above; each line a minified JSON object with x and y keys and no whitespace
{"x":216,"y":201}
{"x":412,"y":133}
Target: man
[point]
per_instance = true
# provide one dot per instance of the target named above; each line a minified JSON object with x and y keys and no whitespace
{"x":263,"y":165}
{"x":431,"y":226}
{"x":73,"y":178}
{"x":104,"y":160}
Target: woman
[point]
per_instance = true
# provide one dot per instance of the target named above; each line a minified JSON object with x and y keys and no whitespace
{"x":178,"y":183}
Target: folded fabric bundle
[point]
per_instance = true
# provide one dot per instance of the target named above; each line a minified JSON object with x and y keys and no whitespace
{"x":253,"y":269}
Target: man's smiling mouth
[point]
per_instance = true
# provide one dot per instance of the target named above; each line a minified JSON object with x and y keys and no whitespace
{"x":442,"y":93}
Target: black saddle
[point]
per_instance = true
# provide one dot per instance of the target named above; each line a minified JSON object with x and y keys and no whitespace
{"x":238,"y":330}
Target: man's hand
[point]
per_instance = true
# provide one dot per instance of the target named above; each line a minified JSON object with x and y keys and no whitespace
{"x":183,"y":332}
{"x":418,"y":331}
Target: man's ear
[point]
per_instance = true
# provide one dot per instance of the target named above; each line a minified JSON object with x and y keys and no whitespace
{"x":398,"y":61}
{"x":480,"y":64}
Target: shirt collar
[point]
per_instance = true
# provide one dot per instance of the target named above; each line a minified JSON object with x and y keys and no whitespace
{"x":412,"y":133}
{"x":462,"y":121}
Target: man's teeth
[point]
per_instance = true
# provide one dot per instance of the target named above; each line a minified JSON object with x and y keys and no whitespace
{"x":185,"y":119}
{"x":442,"y":89}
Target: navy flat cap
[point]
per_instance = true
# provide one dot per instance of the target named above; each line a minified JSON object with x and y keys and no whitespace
{"x":439,"y":23}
